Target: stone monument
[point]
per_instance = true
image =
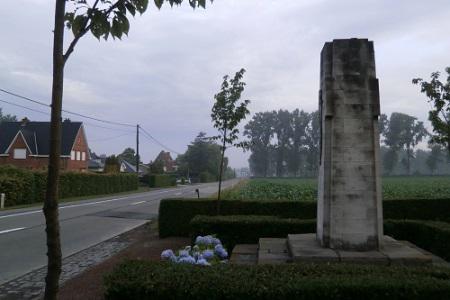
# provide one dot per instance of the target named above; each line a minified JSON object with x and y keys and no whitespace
{"x":349,"y":210}
{"x":349,"y":213}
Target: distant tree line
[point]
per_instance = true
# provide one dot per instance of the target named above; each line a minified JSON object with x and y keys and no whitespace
{"x":286,"y":144}
{"x":283,"y":143}
{"x":400,"y":135}
{"x":201,"y":161}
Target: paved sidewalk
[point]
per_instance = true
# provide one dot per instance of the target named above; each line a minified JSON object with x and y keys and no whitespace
{"x":31,"y":285}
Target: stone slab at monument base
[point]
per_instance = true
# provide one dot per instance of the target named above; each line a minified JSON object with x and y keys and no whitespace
{"x":304,"y":248}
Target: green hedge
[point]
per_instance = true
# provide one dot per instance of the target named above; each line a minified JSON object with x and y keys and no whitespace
{"x":247,"y":229}
{"x":156,"y":180}
{"x":25,"y":186}
{"x":429,"y":235}
{"x":175,"y":214}
{"x":140,"y":280}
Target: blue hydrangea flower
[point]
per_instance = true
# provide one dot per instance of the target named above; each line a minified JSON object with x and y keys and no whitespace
{"x":183,"y":253}
{"x":208,"y":254}
{"x":203,"y":262}
{"x":215,"y":241}
{"x":200,"y":240}
{"x":167,"y":254}
{"x":220,"y":251}
{"x":186,"y":260}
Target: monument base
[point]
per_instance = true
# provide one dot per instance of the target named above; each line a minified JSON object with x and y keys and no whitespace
{"x":304,"y":248}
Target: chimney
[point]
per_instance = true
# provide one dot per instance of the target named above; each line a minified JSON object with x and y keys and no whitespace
{"x":24,"y":122}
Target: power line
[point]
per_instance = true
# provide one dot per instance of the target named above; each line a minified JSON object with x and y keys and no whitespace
{"x":149,"y":136}
{"x":21,"y":106}
{"x":66,"y":111}
{"x":48,"y":114}
{"x":146,"y":133}
{"x":109,"y":138}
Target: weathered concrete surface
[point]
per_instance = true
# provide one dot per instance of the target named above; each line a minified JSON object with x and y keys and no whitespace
{"x":273,"y":251}
{"x":349,"y":202}
{"x":245,"y":254}
{"x":306,"y":248}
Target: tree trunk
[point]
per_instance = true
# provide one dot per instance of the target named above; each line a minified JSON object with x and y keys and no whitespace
{"x":408,"y":161}
{"x":51,"y":199}
{"x":221,"y":171}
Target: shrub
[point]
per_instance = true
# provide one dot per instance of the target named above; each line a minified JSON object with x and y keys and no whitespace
{"x":22,"y":191}
{"x":429,"y":235}
{"x":175,"y":214}
{"x":151,"y":280}
{"x":247,"y":229}
{"x":157,"y":180}
{"x":206,"y":177}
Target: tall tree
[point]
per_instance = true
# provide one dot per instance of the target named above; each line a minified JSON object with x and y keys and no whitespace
{"x":313,"y":143}
{"x":438,"y":94}
{"x":227,"y":112}
{"x":283,"y":131}
{"x":402,"y":131}
{"x":7,"y":118}
{"x":201,"y":158}
{"x":434,"y":158}
{"x":299,"y":130}
{"x":103,"y":18}
{"x":259,"y":132}
{"x":129,"y":155}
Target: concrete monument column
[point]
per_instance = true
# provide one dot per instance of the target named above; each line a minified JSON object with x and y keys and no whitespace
{"x":349,"y":215}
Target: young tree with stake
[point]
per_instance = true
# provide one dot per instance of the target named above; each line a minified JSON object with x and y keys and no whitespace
{"x":102,"y":18}
{"x":226,"y":115}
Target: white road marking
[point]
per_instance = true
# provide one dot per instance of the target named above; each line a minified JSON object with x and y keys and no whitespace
{"x":96,"y":202}
{"x":136,"y":203}
{"x":12,"y":230}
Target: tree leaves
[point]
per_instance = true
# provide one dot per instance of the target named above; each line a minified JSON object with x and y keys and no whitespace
{"x":107,"y":17}
{"x":438,"y":94}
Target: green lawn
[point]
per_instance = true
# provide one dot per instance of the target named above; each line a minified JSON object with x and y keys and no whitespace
{"x":406,"y":187}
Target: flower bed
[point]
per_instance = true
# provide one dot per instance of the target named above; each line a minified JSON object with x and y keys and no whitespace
{"x":207,"y":251}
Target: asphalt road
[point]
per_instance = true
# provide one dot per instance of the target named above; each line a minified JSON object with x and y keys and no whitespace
{"x":83,"y":224}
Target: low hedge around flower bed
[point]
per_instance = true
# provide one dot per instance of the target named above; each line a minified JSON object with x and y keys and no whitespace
{"x":140,"y":280}
{"x":175,"y":214}
{"x":247,"y":229}
{"x":429,"y":235}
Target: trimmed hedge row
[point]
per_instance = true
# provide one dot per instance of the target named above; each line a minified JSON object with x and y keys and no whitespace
{"x":247,"y":229}
{"x":175,"y":214}
{"x":429,"y":235}
{"x":158,"y":280}
{"x":25,"y":186}
{"x":156,"y":181}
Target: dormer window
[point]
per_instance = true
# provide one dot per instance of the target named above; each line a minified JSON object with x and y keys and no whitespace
{"x":20,"y":153}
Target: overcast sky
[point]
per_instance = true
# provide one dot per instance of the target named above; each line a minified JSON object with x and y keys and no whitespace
{"x":165,"y":73}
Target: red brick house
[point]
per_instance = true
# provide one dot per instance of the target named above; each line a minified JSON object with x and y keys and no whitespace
{"x":26,"y":144}
{"x":168,"y":163}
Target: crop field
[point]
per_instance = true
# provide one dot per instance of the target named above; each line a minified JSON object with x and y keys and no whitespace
{"x":295,"y":189}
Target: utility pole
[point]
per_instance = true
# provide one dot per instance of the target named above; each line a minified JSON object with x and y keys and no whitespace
{"x":137,"y":149}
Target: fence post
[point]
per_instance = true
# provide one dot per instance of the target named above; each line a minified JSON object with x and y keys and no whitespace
{"x":2,"y":200}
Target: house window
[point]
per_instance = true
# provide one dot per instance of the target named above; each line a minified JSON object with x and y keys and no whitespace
{"x":78,"y":155}
{"x":20,"y":153}
{"x":72,"y":155}
{"x":83,"y":156}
